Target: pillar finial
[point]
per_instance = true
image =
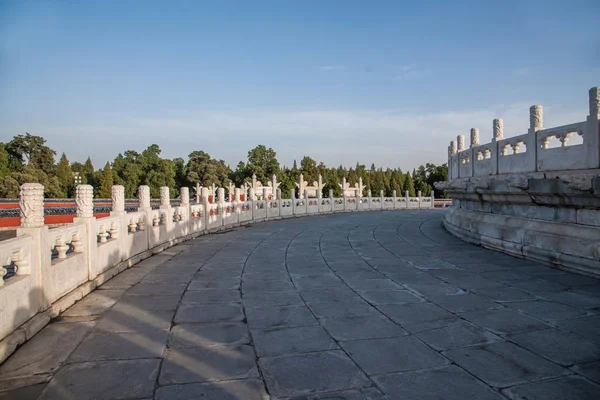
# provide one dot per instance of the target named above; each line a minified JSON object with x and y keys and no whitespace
{"x":498,"y":129}
{"x":31,"y":202}
{"x":84,"y":198}
{"x":536,"y":118}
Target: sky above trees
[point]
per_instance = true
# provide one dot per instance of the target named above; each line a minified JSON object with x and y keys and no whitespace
{"x":390,"y":82}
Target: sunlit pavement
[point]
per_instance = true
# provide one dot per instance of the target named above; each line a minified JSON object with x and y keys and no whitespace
{"x":377,"y":305}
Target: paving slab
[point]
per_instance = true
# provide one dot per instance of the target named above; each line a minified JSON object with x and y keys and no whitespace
{"x":464,"y":302}
{"x":203,"y":364}
{"x":389,"y":296}
{"x":448,"y":383}
{"x":504,"y":294}
{"x":365,"y":327}
{"x":246,"y":389}
{"x":561,"y":347}
{"x":382,"y":356}
{"x":359,"y":394}
{"x":273,"y":317}
{"x":133,"y":304}
{"x":570,"y":387}
{"x":104,"y":380}
{"x":504,"y":321}
{"x":209,"y":313}
{"x":211,"y":296}
{"x":119,"y":320}
{"x":120,"y":346}
{"x":333,"y":309}
{"x":210,"y":334}
{"x":95,"y":303}
{"x":45,"y":353}
{"x":311,"y":373}
{"x":547,"y":310}
{"x":272,"y":299}
{"x":460,"y":334}
{"x":302,"y":339}
{"x":589,"y":370}
{"x":504,"y":364}
{"x":202,"y":284}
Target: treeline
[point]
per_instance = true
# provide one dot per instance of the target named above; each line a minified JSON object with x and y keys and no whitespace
{"x":26,"y":158}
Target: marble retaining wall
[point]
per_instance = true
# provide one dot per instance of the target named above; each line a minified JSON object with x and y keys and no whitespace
{"x":44,"y":271}
{"x":525,"y":197}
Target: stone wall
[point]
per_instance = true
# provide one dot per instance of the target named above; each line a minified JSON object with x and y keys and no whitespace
{"x":44,"y":271}
{"x":542,"y":203}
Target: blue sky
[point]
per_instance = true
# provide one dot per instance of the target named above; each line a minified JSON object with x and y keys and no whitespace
{"x":390,"y":82}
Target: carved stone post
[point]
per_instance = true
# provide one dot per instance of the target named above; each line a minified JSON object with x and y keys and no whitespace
{"x":165,"y":199}
{"x":320,"y":188}
{"x":221,"y":195}
{"x":118,"y":200}
{"x":237,"y":194}
{"x":460,"y":140}
{"x":331,"y":196}
{"x":144,"y":197}
{"x":185,"y":195}
{"x":419,"y":197}
{"x":406,"y":198}
{"x":252,"y":194}
{"x":264,"y":193}
{"x":474,"y":137}
{"x":432,"y":199}
{"x":394,"y":198}
{"x":84,"y":198}
{"x":306,"y":196}
{"x":31,"y":202}
{"x":498,"y":129}
{"x":593,"y":128}
{"x":536,"y":118}
{"x":278,"y":194}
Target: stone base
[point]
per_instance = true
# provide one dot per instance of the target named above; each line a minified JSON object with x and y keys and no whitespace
{"x":553,"y":218}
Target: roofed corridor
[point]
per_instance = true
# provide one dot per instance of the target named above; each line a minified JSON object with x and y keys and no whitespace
{"x":374,"y":305}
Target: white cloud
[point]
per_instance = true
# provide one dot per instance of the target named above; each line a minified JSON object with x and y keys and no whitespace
{"x":386,"y":137}
{"x":330,"y":68}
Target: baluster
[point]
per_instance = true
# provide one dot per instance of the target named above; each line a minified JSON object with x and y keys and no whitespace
{"x":62,"y":248}
{"x":141,"y":224}
{"x":114,"y":232}
{"x":77,"y":243}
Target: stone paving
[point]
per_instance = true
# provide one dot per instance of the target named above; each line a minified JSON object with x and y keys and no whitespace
{"x":380,"y":305}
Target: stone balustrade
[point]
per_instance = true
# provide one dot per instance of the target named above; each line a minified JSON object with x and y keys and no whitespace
{"x":44,"y":271}
{"x":528,"y":198}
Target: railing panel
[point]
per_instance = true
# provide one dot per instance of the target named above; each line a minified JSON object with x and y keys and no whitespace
{"x":230,"y":213}
{"x":325,"y":205}
{"x":388,"y":203}
{"x":517,"y":154}
{"x":197,"y":216}
{"x":260,"y":210}
{"x":214,"y":217}
{"x":65,"y":264}
{"x":312,"y":206}
{"x":300,"y":207}
{"x":108,"y":245}
{"x":19,"y":298}
{"x":286,"y":208}
{"x":273,"y":208}
{"x":566,"y":157}
{"x":245,"y":210}
{"x":136,"y":237}
{"x":338,"y":204}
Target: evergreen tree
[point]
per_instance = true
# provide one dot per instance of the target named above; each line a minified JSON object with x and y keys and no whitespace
{"x":409,"y":185}
{"x":65,"y":176}
{"x":106,"y":182}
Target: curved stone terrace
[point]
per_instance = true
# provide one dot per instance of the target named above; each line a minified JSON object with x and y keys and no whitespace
{"x":376,"y":305}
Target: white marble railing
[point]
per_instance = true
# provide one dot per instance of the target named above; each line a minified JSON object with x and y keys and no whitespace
{"x":44,"y":271}
{"x":576,"y":147}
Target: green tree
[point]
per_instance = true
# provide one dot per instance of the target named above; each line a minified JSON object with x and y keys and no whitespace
{"x":32,"y":150}
{"x":409,"y":185}
{"x":65,"y":176}
{"x":262,"y":162}
{"x":106,"y":182}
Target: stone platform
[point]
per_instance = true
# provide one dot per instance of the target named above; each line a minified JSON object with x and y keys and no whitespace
{"x":376,"y":305}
